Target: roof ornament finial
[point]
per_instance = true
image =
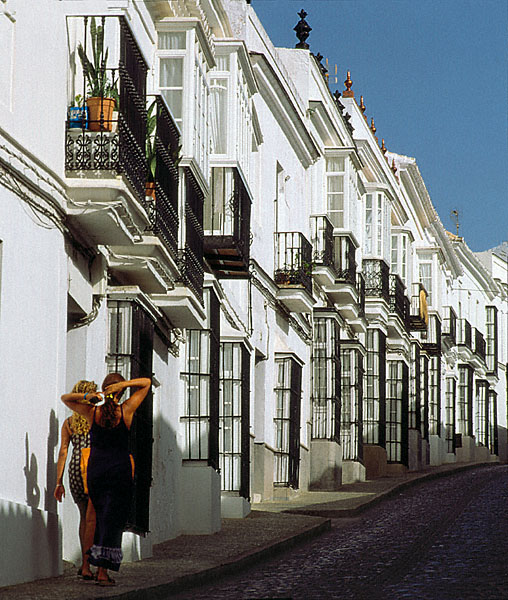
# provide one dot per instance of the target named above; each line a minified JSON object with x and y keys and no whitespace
{"x":372,"y":126}
{"x":383,"y":147}
{"x":362,"y":105}
{"x":455,"y":215}
{"x":348,"y":92}
{"x":302,"y":29}
{"x":394,"y":167}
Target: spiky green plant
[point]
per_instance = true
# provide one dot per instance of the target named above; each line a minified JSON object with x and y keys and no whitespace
{"x":95,"y":69}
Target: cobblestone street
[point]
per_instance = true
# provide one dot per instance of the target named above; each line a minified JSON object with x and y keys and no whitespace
{"x":443,"y":539}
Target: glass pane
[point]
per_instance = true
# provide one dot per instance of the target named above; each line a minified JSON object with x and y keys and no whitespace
{"x":171,"y":72}
{"x":335,"y":183}
{"x":174,"y":101}
{"x":171,"y":40}
{"x":334,"y":164}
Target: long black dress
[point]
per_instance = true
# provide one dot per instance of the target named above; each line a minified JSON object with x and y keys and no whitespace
{"x":109,"y":478}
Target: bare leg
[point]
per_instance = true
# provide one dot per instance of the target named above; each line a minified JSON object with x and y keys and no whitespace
{"x":82,"y":524}
{"x":88,"y":535}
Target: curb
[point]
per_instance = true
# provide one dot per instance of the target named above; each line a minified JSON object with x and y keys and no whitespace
{"x":161,"y":591}
{"x":343,"y":513}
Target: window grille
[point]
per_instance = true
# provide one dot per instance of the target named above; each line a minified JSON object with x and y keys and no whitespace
{"x":493,"y":434}
{"x":375,"y":391}
{"x":414,"y":416}
{"x":200,"y":414}
{"x":234,"y":418}
{"x":450,"y":414}
{"x":424,"y":395}
{"x":465,"y":401}
{"x":491,"y":339}
{"x":130,"y":353}
{"x":351,"y":413}
{"x":435,"y":395}
{"x":396,"y":412}
{"x":326,"y":379}
{"x":481,"y":423}
{"x":288,"y":393}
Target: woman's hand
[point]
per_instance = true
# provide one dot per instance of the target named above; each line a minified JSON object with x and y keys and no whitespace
{"x":114,"y":388}
{"x":93,"y":397}
{"x":59,"y":492}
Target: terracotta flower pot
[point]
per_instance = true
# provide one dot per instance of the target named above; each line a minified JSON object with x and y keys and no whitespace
{"x":150,"y":190}
{"x":97,"y":108}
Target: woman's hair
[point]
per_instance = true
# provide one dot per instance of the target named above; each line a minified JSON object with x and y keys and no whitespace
{"x":108,"y":412}
{"x":78,"y":423}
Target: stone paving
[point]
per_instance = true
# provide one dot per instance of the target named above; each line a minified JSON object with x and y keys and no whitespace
{"x":369,"y":553}
{"x":442,"y":539}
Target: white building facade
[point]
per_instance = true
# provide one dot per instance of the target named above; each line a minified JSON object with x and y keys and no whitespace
{"x":235,"y":231}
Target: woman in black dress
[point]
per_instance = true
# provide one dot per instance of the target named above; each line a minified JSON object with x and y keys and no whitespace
{"x":109,"y":472}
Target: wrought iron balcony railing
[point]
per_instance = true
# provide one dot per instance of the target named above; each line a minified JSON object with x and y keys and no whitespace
{"x":479,"y":346}
{"x":376,"y":277}
{"x":191,"y":256}
{"x":227,"y":227}
{"x":397,"y":296}
{"x":163,"y":145}
{"x":360,"y":286}
{"x":108,"y":135}
{"x":322,"y":241}
{"x":418,"y":315}
{"x":344,"y":252}
{"x":293,"y":260}
{"x":450,"y":325}
{"x":464,"y":337}
{"x":432,"y":337}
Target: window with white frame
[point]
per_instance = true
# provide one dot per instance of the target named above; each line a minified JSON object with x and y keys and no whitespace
{"x":377,"y":225}
{"x":491,"y":338}
{"x":481,"y":412}
{"x":450,"y":393}
{"x":171,"y":47}
{"x":182,"y":80}
{"x":425,"y":269}
{"x":399,"y":263}
{"x":465,"y":400}
{"x":435,"y":395}
{"x":335,"y":197}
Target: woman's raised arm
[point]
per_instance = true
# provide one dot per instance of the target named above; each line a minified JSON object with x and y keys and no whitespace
{"x":76,"y":402}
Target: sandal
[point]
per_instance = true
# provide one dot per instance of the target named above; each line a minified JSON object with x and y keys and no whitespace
{"x":88,"y":577}
{"x":109,"y":582}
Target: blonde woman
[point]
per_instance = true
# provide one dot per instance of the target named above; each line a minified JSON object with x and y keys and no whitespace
{"x":76,"y":431}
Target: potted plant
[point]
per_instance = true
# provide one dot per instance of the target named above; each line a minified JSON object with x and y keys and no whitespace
{"x":102,"y":93}
{"x":151,"y":122}
{"x":78,"y":114}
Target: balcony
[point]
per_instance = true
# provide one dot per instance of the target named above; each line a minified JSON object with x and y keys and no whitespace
{"x":449,"y":327}
{"x":419,"y":314}
{"x":431,"y":339}
{"x":479,"y":346}
{"x":377,"y":289}
{"x":105,"y":157}
{"x":227,"y":224}
{"x":376,"y":274}
{"x":184,"y":304}
{"x":464,"y":337}
{"x":293,"y":271}
{"x":398,"y":305}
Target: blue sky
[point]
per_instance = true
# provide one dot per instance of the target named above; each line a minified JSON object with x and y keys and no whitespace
{"x":433,"y":74}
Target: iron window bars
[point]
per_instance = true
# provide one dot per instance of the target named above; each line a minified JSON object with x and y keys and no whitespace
{"x":450,"y":411}
{"x":352,"y":399}
{"x":435,"y":395}
{"x":481,"y":421}
{"x":415,"y":396}
{"x":424,"y":395}
{"x":326,"y":379}
{"x":396,"y":412}
{"x":493,"y":431}
{"x":288,"y":391}
{"x":464,"y":333}
{"x":374,"y":398}
{"x":465,"y":401}
{"x":200,"y":418}
{"x":491,"y":339}
{"x":234,"y":407}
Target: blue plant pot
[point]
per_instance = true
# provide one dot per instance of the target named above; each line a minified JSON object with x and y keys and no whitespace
{"x":78,"y":117}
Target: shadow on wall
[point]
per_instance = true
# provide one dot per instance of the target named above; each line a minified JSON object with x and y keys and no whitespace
{"x":30,"y":533}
